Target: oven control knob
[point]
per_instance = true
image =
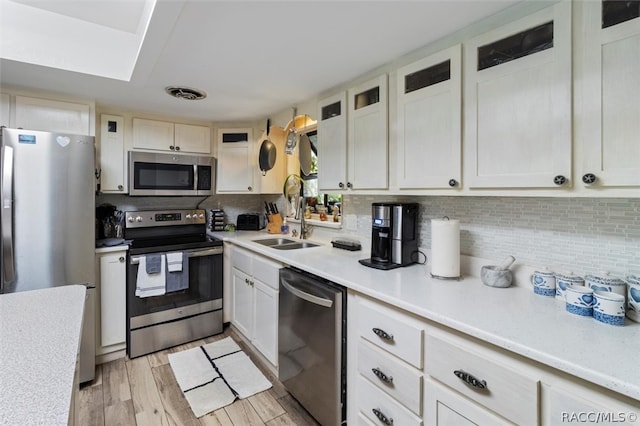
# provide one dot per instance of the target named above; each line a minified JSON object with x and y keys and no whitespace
{"x":188,"y":216}
{"x":138,"y":219}
{"x":130,"y":219}
{"x":201,"y":216}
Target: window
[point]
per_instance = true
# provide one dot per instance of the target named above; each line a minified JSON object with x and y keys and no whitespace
{"x":317,"y":201}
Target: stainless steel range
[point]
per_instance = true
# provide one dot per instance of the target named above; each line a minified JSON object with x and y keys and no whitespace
{"x":174,"y":280}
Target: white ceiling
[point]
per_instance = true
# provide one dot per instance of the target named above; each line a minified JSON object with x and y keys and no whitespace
{"x":252,"y":58}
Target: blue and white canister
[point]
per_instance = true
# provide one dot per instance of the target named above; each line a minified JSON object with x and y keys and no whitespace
{"x":606,"y":283}
{"x":544,"y":283}
{"x":633,"y":297}
{"x":608,"y":307}
{"x":579,"y":300}
{"x":563,"y":281}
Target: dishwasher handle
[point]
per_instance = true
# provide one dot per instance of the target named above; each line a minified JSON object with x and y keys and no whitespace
{"x":327,"y":303}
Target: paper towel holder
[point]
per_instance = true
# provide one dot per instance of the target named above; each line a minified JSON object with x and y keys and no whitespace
{"x":439,"y":277}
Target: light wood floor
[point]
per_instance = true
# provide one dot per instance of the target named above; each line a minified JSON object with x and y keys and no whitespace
{"x":143,"y":391}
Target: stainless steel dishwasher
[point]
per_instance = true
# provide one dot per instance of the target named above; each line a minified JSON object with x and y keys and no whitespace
{"x":312,"y":344}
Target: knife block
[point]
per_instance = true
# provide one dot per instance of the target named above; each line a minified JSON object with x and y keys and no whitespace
{"x":274,"y":223}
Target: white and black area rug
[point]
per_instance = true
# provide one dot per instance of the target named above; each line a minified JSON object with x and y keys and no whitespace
{"x":215,"y":375}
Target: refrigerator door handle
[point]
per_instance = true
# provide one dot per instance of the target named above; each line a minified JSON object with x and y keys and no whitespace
{"x":6,"y":197}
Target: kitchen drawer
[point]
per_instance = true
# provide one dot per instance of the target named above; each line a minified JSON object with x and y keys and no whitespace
{"x":400,"y":380}
{"x":445,"y":407}
{"x":241,"y":259}
{"x":391,"y":330}
{"x":371,"y":398}
{"x":267,"y":271}
{"x":507,"y":392}
{"x":363,"y":421}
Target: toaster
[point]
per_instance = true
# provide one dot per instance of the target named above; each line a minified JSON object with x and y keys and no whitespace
{"x":251,"y":222}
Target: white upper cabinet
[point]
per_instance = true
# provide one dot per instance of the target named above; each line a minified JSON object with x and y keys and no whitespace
{"x":53,"y":116}
{"x":332,"y":142}
{"x":152,"y":134}
{"x":190,"y":138}
{"x":113,"y":158}
{"x":517,"y":89}
{"x":235,"y":161}
{"x":353,"y":138}
{"x":611,"y":88}
{"x":166,"y":136}
{"x":429,"y":121}
{"x":367,"y":135}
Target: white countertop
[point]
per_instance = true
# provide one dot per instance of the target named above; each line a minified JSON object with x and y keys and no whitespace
{"x":39,"y":340}
{"x":512,"y":318}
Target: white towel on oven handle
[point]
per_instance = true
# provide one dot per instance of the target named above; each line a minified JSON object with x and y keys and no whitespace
{"x":174,"y":261}
{"x":148,"y":285}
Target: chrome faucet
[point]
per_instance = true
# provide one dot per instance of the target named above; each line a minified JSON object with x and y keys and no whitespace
{"x":304,"y":228}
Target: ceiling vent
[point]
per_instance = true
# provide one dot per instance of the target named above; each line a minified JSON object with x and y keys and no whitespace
{"x":186,"y":93}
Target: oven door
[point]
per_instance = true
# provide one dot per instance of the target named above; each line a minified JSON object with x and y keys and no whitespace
{"x":205,"y":284}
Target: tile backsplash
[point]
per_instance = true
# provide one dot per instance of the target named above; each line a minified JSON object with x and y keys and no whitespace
{"x":583,"y":235}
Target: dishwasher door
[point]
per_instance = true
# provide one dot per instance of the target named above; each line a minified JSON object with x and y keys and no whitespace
{"x":311,"y":349}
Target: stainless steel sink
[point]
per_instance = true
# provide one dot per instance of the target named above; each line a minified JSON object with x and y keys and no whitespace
{"x":285,"y":243}
{"x":296,"y":245}
{"x":270,"y":242}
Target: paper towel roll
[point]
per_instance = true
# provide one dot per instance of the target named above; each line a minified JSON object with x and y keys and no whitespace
{"x":445,"y":248}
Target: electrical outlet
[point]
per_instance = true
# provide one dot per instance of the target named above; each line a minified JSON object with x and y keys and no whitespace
{"x":351,"y":222}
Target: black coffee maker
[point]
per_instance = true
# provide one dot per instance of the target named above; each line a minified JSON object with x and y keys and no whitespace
{"x":394,"y":241}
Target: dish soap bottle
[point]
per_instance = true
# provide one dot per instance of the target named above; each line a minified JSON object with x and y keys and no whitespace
{"x":284,"y":228}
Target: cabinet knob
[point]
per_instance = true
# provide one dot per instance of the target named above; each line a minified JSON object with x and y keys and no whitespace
{"x":171,"y":147}
{"x":383,"y":334}
{"x":349,"y":185}
{"x":250,"y":188}
{"x":470,"y":380}
{"x":453,"y":182}
{"x":589,"y":179}
{"x":559,"y":180}
{"x":121,"y":259}
{"x":177,"y":148}
{"x":120,"y":187}
{"x":380,"y":375}
{"x":340,"y":185}
{"x":384,"y":419}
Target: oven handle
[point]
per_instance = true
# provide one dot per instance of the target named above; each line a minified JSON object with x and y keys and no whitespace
{"x":195,"y":253}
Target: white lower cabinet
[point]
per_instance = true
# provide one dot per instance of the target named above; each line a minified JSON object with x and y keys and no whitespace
{"x":254,"y":300}
{"x":445,"y":407}
{"x":413,"y":371}
{"x":111,"y":281}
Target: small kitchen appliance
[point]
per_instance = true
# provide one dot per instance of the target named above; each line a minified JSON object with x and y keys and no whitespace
{"x":394,"y":240}
{"x":251,"y":222}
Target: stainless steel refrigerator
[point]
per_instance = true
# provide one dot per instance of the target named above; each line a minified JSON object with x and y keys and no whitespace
{"x":48,"y":220}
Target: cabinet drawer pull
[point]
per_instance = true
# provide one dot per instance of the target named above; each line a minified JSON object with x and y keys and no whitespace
{"x":380,"y":375}
{"x":383,"y":334}
{"x":384,"y":419}
{"x":470,"y":379}
{"x":121,"y":259}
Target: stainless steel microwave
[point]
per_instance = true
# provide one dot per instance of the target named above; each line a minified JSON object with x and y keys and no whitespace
{"x":171,"y":174}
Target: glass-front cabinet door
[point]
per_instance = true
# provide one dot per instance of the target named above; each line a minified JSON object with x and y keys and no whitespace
{"x":610,"y":109}
{"x":429,"y":121}
{"x":518,"y":103}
